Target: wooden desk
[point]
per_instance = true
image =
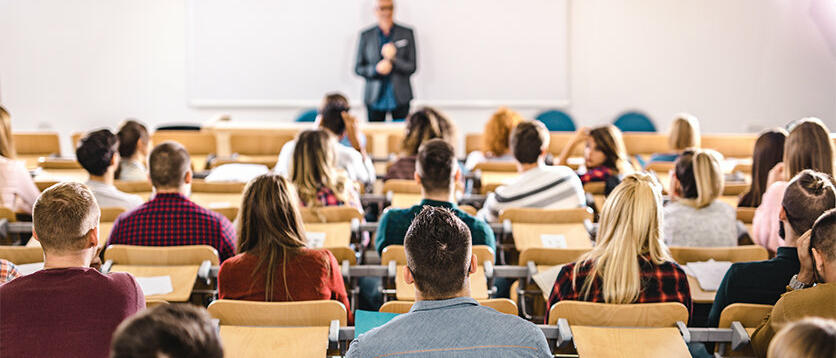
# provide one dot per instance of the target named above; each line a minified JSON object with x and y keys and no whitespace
{"x":241,"y":341}
{"x":182,"y":279}
{"x":497,"y":177}
{"x":697,"y":293}
{"x":336,"y":234}
{"x":478,"y":286}
{"x":528,"y":236}
{"x":629,"y":342}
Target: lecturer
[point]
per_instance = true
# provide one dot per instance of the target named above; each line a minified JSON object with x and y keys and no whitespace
{"x":386,"y":59}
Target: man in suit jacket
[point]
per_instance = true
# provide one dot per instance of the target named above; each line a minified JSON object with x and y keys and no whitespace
{"x":386,"y":59}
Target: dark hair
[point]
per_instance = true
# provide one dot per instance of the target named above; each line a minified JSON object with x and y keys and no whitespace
{"x":435,"y":165}
{"x":332,"y":117}
{"x":769,"y":150}
{"x":608,"y":140}
{"x":437,"y":245}
{"x":528,"y":139}
{"x":168,"y":164}
{"x":823,"y":237}
{"x":334,"y":97}
{"x":131,"y":132}
{"x":172,"y":330}
{"x":424,"y":124}
{"x":96,"y":150}
{"x":807,"y":196}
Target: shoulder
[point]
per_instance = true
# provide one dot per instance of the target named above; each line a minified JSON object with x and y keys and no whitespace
{"x":237,"y":261}
{"x":404,"y":28}
{"x":369,"y":31}
{"x":666,"y":266}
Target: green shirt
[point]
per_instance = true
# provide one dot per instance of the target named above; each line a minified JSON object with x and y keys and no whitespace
{"x":395,"y":223}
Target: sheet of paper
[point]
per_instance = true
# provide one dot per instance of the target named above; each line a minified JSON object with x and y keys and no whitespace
{"x":553,"y":241}
{"x":316,"y":240}
{"x":156,"y":285}
{"x":709,"y":273}
{"x":545,"y":280}
{"x":26,"y":269}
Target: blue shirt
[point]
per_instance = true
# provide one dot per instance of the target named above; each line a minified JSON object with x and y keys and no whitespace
{"x":386,"y":101}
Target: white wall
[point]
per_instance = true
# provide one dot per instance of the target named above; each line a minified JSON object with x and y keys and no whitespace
{"x":738,"y":65}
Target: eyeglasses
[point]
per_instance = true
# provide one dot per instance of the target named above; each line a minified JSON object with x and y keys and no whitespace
{"x":386,"y":7}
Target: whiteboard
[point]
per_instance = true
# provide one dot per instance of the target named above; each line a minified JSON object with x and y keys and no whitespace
{"x":471,"y":53}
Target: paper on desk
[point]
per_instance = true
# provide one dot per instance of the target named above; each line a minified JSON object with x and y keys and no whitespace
{"x":709,"y":273}
{"x":552,"y":241}
{"x":316,"y":239}
{"x":156,"y":285}
{"x":236,"y":172}
{"x":545,"y":280}
{"x":27,"y":269}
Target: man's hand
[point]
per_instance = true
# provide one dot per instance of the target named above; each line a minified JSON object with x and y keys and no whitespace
{"x":384,"y":67}
{"x":388,"y":51}
{"x":807,"y":268}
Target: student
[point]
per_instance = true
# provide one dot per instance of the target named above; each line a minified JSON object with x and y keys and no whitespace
{"x":807,"y":197}
{"x":808,"y":146}
{"x":273,"y":263}
{"x":684,"y":134}
{"x":605,"y":156}
{"x":170,"y":218}
{"x":170,"y":330}
{"x":8,"y":271}
{"x":97,"y":153}
{"x":425,"y":124}
{"x":315,"y":176}
{"x":444,"y":319}
{"x":807,"y":338}
{"x":769,"y":150}
{"x":134,"y":144}
{"x":495,"y":139}
{"x":811,"y":292}
{"x":17,"y":189}
{"x":538,"y":185}
{"x":629,"y":263}
{"x":437,"y":172}
{"x":695,"y":217}
{"x":68,"y":309}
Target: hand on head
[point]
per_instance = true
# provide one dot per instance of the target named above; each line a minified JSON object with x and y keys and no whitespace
{"x":807,"y":267}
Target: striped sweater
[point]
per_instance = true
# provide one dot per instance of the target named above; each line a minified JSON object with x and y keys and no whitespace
{"x":551,"y":187}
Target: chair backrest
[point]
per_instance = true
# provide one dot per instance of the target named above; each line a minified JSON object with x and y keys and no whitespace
{"x":502,"y":305}
{"x":735,"y":189}
{"x":545,"y":216}
{"x":730,"y":145}
{"x":468,"y":209}
{"x":109,"y":214}
{"x":8,"y":214}
{"x":664,"y":314}
{"x":398,"y":254}
{"x":559,"y":140}
{"x":684,"y":255}
{"x":401,"y":186}
{"x":151,"y":302}
{"x":196,"y":142}
{"x":595,"y":187}
{"x":21,"y":255}
{"x":259,"y":144}
{"x":330,"y":214}
{"x":634,"y":121}
{"x":344,"y":254}
{"x":556,"y":120}
{"x":202,"y":186}
{"x":497,"y":166}
{"x":289,"y":314}
{"x":161,"y":255}
{"x":550,"y":257}
{"x":37,"y":143}
{"x":137,"y":186}
{"x":58,"y":163}
{"x":638,"y":143}
{"x":746,"y":215}
{"x":472,"y":142}
{"x":748,"y":314}
{"x":229,"y":212}
{"x":307,"y":115}
{"x":660,"y":167}
{"x":394,"y":143}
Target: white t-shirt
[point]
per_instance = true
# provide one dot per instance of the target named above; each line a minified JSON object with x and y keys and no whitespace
{"x":349,"y":159}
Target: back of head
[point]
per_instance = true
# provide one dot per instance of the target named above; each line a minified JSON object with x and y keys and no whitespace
{"x":129,"y":134}
{"x":334,"y":98}
{"x":608,"y":140}
{"x":424,"y":124}
{"x":332,"y":117}
{"x":313,"y":164}
{"x":700,"y":177}
{"x":436,"y":165}
{"x":63,"y":217}
{"x":498,"y":131}
{"x":823,"y":235}
{"x":95,"y":151}
{"x":808,"y":146}
{"x":769,"y":150}
{"x":7,"y":145}
{"x":685,"y":132}
{"x":528,"y":140}
{"x":438,"y":249}
{"x":808,"y":195}
{"x":168,"y":164}
{"x":811,"y":337}
{"x":169,"y":330}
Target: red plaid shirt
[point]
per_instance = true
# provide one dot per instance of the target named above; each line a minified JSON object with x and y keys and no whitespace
{"x":596,"y":174}
{"x":660,"y":283}
{"x":172,"y":220}
{"x":8,"y":271}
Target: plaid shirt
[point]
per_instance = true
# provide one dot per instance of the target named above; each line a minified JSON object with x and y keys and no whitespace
{"x":171,"y":220}
{"x":660,"y":283}
{"x":8,"y":271}
{"x":600,"y":173}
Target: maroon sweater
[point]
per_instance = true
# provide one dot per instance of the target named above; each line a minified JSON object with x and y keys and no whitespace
{"x":66,"y":312}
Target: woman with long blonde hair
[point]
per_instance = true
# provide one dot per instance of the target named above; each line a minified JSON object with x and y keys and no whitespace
{"x":629,"y":263}
{"x":17,"y":189}
{"x":315,"y":175}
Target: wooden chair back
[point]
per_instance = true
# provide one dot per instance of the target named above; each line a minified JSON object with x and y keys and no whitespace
{"x":748,"y":314}
{"x":8,"y":214}
{"x":401,"y":186}
{"x":398,"y":254}
{"x":21,"y":255}
{"x":684,"y":255}
{"x":344,"y":253}
{"x":202,"y":186}
{"x":259,"y":144}
{"x":529,"y":226}
{"x":660,"y":167}
{"x":645,"y":143}
{"x":196,"y":142}
{"x":560,"y":140}
{"x":161,"y":255}
{"x":289,"y":314}
{"x":468,"y":209}
{"x":502,"y":305}
{"x":229,"y":212}
{"x":330,"y":214}
{"x":153,"y":302}
{"x":550,"y":257}
{"x":730,"y":145}
{"x":109,"y":214}
{"x":497,"y":166}
{"x":58,"y":163}
{"x":472,"y":142}
{"x":37,"y":143}
{"x":746,"y":215}
{"x":735,"y":189}
{"x":394,"y":143}
{"x":580,"y":313}
{"x":138,"y":186}
{"x":545,"y":216}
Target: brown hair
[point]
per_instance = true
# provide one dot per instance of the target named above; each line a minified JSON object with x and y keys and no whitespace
{"x":498,"y":131}
{"x":823,"y":235}
{"x":808,"y":195}
{"x":63,"y":216}
{"x":168,"y":164}
{"x":811,"y":337}
{"x":7,"y":143}
{"x":169,"y":330}
{"x":609,"y":141}
{"x":769,"y":150}
{"x":808,"y":146}
{"x":528,"y":140}
{"x":700,"y":177}
{"x":685,"y":132}
{"x":437,"y":246}
{"x":314,"y":167}
{"x":436,"y":165}
{"x":270,"y":227}
{"x":129,"y":134}
{"x":424,"y":124}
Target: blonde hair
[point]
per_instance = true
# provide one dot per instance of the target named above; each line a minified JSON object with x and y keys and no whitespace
{"x":685,"y":132}
{"x":700,"y":177}
{"x":498,"y":131}
{"x":811,"y":337}
{"x":7,"y":144}
{"x":808,"y":146}
{"x":63,"y":216}
{"x":630,"y":230}
{"x":314,"y":167}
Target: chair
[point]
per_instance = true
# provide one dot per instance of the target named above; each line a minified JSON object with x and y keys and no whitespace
{"x":8,"y":214}
{"x":684,"y":255}
{"x":200,"y":144}
{"x":151,"y":303}
{"x":58,"y":163}
{"x":37,"y":143}
{"x":530,"y":225}
{"x":336,"y":223}
{"x":470,"y":210}
{"x":288,"y":314}
{"x":139,"y":186}
{"x":255,"y":148}
{"x":746,"y":215}
{"x":497,"y":166}
{"x":161,"y":255}
{"x":216,"y":195}
{"x":502,"y":305}
{"x":663,"y":314}
{"x":731,"y":146}
{"x":633,"y":121}
{"x":556,"y":120}
{"x":528,"y":295}
{"x":20,"y":255}
{"x":749,"y":315}
{"x":307,"y":115}
{"x":645,"y":144}
{"x":404,"y":193}
{"x":394,"y":143}
{"x":472,"y":142}
{"x":598,"y":191}
{"x":396,"y":255}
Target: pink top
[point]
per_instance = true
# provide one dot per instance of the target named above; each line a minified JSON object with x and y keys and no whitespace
{"x":17,"y":190}
{"x":765,"y":223}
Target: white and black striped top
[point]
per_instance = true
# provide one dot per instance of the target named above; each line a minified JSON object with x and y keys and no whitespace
{"x":551,"y":187}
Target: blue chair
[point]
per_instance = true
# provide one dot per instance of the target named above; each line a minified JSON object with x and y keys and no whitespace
{"x":308,"y":115}
{"x":557,"y":121}
{"x":634,"y":122}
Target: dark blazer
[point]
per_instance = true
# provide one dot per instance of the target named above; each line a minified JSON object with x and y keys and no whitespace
{"x":403,"y":65}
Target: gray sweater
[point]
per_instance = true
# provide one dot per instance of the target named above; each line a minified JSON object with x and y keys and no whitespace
{"x":712,"y":226}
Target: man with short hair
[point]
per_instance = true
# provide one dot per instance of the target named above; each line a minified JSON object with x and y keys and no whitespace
{"x":169,"y":330}
{"x":807,"y":196}
{"x":538,"y":185}
{"x":170,"y":218}
{"x":445,"y":320}
{"x":98,"y":154}
{"x":68,"y":309}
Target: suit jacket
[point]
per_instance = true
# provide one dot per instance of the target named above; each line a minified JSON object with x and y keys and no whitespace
{"x":403,"y":65}
{"x":816,"y":301}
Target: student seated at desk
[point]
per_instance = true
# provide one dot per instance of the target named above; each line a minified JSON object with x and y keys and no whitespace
{"x":68,"y":309}
{"x":170,"y":218}
{"x":538,"y":185}
{"x":422,"y":125}
{"x":605,"y":156}
{"x":495,"y":139}
{"x":317,"y":180}
{"x":807,"y":338}
{"x":445,"y":320}
{"x":769,"y":151}
{"x":97,"y":153}
{"x":274,"y":263}
{"x":169,"y":330}
{"x":134,"y":144}
{"x":807,"y":197}
{"x":8,"y":271}
{"x":17,"y":189}
{"x":811,"y":293}
{"x":684,"y":134}
{"x":629,"y":263}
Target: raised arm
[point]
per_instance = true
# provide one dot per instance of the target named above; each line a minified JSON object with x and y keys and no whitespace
{"x":579,"y":137}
